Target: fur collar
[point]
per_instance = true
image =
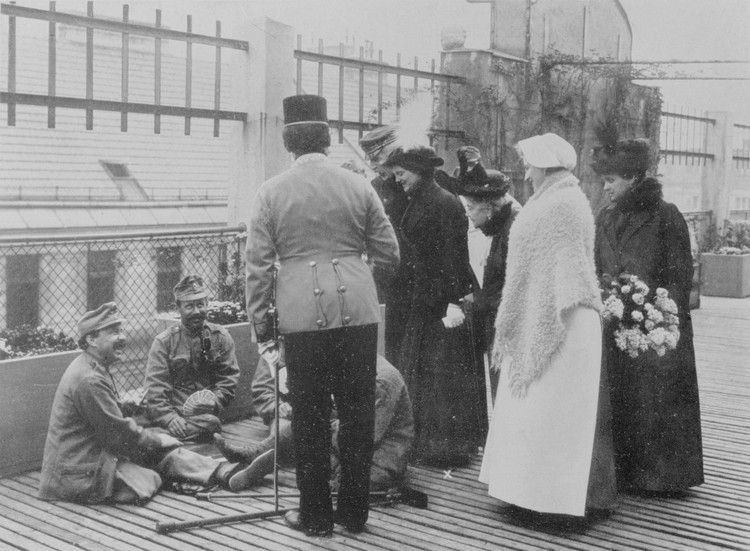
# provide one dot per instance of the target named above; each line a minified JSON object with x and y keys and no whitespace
{"x":499,"y":218}
{"x":645,"y":194}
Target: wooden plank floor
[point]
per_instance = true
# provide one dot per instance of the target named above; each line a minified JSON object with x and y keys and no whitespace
{"x":460,"y":515}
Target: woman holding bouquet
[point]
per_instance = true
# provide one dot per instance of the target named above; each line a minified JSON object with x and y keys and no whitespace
{"x":655,"y":410}
{"x":549,"y":446}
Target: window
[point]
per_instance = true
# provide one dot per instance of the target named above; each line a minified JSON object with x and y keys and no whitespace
{"x":127,"y":185}
{"x":168,"y":270}
{"x":101,"y":278}
{"x":22,"y":277}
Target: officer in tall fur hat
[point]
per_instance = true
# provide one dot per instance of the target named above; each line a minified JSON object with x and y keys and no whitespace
{"x":192,"y":357}
{"x":320,"y":221}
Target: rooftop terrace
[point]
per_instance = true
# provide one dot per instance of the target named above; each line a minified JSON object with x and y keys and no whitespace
{"x":460,"y":515}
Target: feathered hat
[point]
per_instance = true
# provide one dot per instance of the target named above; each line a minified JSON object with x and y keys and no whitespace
{"x":479,"y":183}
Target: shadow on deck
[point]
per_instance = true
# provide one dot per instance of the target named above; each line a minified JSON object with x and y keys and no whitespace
{"x":461,"y":515}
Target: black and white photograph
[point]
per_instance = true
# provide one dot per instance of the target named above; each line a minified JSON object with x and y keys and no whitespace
{"x":375,"y":275}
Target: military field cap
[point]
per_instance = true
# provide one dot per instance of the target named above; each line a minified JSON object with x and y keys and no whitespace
{"x":190,"y":288}
{"x":376,"y":140}
{"x":548,"y":151}
{"x":305,"y":109}
{"x":107,"y":314}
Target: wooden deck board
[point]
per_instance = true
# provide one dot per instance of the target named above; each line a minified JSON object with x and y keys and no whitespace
{"x":461,"y":516}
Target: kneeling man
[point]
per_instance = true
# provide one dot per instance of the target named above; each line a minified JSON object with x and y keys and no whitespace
{"x":393,"y":435}
{"x":93,"y":453}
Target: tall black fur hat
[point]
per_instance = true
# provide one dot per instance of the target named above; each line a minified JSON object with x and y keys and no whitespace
{"x":479,"y":183}
{"x":305,"y":109}
{"x":626,"y":158}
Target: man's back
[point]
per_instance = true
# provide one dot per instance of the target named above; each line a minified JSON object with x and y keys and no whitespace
{"x":320,"y":220}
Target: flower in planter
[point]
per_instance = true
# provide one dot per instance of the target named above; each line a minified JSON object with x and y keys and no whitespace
{"x":26,"y":340}
{"x":732,"y":250}
{"x":226,"y":313}
{"x":735,"y":239}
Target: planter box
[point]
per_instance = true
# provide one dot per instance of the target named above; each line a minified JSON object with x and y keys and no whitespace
{"x":29,"y":385}
{"x":26,"y":394}
{"x":726,"y":275}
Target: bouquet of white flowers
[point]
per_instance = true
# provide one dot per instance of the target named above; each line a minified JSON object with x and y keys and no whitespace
{"x":639,"y":324}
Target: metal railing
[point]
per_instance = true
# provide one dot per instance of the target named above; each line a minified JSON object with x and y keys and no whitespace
{"x":90,"y":193}
{"x":379,"y":86}
{"x":52,"y":282}
{"x":13,"y":97}
{"x":684,"y":137}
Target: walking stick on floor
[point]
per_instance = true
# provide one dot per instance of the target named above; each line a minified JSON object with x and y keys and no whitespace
{"x":404,"y":495}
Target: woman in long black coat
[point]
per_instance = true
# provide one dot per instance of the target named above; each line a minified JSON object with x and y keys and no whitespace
{"x":655,"y":409}
{"x":492,"y":211}
{"x":436,"y":358}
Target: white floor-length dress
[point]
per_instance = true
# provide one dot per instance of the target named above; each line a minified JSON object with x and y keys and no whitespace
{"x":539,"y":446}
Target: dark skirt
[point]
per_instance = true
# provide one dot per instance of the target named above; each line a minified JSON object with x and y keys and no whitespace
{"x":439,"y":366}
{"x":656,"y":420}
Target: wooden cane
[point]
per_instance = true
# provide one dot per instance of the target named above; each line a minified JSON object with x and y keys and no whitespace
{"x":164,"y":527}
{"x":210,"y":496}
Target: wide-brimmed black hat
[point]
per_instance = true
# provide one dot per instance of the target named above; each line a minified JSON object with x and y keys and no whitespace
{"x":305,"y":109}
{"x":415,"y":159}
{"x":625,"y":157}
{"x":479,"y":183}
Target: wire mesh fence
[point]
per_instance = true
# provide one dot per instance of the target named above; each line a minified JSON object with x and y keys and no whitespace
{"x":50,"y":283}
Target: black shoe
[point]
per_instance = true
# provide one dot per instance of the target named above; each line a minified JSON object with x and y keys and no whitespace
{"x":293,"y":520}
{"x":350,"y":526}
{"x":225,"y":471}
{"x":253,"y":473}
{"x":237,"y":454}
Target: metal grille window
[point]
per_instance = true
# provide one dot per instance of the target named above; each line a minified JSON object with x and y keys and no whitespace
{"x":22,"y":285}
{"x":168,"y":270}
{"x":101,"y":278}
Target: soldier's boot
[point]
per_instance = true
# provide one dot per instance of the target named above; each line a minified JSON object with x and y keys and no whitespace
{"x":238,"y":454}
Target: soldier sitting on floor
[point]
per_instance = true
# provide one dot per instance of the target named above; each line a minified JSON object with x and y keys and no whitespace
{"x":93,"y":453}
{"x":194,"y":357}
{"x":394,"y":430}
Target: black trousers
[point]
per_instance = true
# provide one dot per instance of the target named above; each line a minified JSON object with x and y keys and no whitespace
{"x":341,"y":363}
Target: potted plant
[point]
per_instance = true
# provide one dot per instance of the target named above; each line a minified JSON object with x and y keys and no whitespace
{"x":726,"y":269}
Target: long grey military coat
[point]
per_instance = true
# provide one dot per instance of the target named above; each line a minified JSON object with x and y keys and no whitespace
{"x":88,"y":437}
